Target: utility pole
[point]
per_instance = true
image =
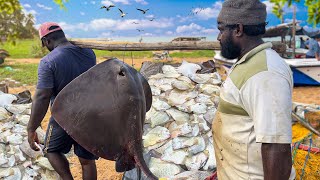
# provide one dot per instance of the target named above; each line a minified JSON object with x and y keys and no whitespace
{"x":294,"y":32}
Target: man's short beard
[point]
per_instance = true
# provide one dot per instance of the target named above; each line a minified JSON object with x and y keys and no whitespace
{"x":229,"y":49}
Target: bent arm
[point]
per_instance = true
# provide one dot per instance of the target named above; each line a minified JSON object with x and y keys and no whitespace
{"x":276,"y":160}
{"x":39,"y":108}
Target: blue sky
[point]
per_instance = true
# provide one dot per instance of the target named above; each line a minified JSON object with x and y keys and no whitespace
{"x":85,"y":19}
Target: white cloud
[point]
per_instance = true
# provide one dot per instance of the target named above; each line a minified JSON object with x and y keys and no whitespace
{"x":120,"y":25}
{"x":44,"y":7}
{"x":269,"y":6}
{"x":82,"y":13}
{"x":209,"y":12}
{"x":188,"y":28}
{"x":169,"y":33}
{"x":210,"y":31}
{"x":37,"y":26}
{"x":126,"y":2}
{"x":184,"y":18}
{"x":31,"y":11}
{"x":105,"y":35}
{"x":195,"y":29}
{"x":147,"y":34}
{"x":143,"y":2}
{"x":160,"y":23}
{"x":93,"y":2}
{"x":26,"y":5}
{"x":102,"y":24}
{"x":73,"y":27}
{"x":149,"y":16}
{"x":106,"y":2}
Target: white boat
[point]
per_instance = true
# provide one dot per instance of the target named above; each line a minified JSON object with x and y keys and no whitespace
{"x":306,"y":72}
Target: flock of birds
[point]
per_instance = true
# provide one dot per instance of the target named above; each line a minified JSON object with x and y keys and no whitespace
{"x":122,"y":14}
{"x":195,"y":12}
{"x":144,"y":11}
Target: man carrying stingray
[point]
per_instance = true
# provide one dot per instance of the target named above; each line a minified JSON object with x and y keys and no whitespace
{"x":63,"y":64}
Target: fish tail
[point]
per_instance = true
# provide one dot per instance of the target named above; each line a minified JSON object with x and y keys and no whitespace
{"x":138,"y":157}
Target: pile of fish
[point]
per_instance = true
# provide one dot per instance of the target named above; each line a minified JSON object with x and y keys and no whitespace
{"x":17,"y":159}
{"x":178,"y":126}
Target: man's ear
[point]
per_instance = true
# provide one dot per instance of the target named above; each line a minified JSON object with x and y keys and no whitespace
{"x":48,"y":41}
{"x":239,"y":30}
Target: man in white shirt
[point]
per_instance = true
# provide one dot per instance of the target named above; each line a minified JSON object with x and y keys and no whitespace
{"x":252,"y":128}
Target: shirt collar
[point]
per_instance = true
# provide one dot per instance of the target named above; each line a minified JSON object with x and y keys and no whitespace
{"x":254,"y":51}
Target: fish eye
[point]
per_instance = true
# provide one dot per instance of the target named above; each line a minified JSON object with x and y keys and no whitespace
{"x":121,"y":73}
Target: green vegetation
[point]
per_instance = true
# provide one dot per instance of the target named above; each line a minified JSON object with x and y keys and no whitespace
{"x":15,"y":24}
{"x":22,"y":48}
{"x":24,"y":73}
{"x":193,"y":54}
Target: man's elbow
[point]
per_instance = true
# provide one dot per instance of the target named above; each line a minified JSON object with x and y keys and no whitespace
{"x":277,"y":161}
{"x":43,"y":95}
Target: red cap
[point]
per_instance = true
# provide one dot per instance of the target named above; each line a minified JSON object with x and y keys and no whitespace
{"x":44,"y":29}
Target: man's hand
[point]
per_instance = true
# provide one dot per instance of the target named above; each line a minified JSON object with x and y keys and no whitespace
{"x":277,"y":161}
{"x":32,"y":139}
{"x":39,"y":108}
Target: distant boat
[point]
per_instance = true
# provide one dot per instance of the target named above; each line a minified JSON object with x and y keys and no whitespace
{"x":306,"y":72}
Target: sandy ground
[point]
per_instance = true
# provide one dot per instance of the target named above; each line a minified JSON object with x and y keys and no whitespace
{"x":106,"y":170}
{"x":137,"y":62}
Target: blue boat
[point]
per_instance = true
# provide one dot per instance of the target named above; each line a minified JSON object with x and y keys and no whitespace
{"x":306,"y":72}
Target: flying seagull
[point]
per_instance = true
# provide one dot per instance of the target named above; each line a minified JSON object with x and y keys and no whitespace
{"x":135,"y":23}
{"x":143,"y":11}
{"x":140,"y":30}
{"x":108,"y":8}
{"x":122,"y":13}
{"x":151,"y":19}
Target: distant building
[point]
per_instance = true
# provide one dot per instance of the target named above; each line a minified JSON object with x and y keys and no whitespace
{"x":177,"y":39}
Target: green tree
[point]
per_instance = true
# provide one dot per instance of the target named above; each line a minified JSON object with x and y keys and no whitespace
{"x":313,"y":9}
{"x":61,"y":3}
{"x":7,"y":29}
{"x":14,"y":24}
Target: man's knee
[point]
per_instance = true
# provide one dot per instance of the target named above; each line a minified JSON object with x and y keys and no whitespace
{"x":85,"y":162}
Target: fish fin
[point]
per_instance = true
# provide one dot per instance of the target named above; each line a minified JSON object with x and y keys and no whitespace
{"x":125,"y":163}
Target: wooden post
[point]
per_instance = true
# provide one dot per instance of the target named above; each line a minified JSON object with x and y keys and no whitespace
{"x":282,"y":21}
{"x":4,"y":88}
{"x":294,"y":32}
{"x":195,"y":45}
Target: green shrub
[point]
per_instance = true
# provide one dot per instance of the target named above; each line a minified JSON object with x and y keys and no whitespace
{"x":37,"y":51}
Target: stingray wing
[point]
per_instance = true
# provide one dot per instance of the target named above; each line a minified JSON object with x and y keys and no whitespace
{"x":97,"y":107}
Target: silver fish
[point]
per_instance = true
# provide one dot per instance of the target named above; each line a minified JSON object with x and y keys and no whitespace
{"x":163,"y":169}
{"x":156,"y":135}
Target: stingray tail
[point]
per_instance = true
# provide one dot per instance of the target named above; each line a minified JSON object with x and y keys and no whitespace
{"x":138,"y":157}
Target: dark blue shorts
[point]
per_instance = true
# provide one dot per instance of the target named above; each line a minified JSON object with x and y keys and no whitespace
{"x":307,"y":56}
{"x":57,"y":140}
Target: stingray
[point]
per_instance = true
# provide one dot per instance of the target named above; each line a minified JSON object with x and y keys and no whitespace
{"x":104,"y":111}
